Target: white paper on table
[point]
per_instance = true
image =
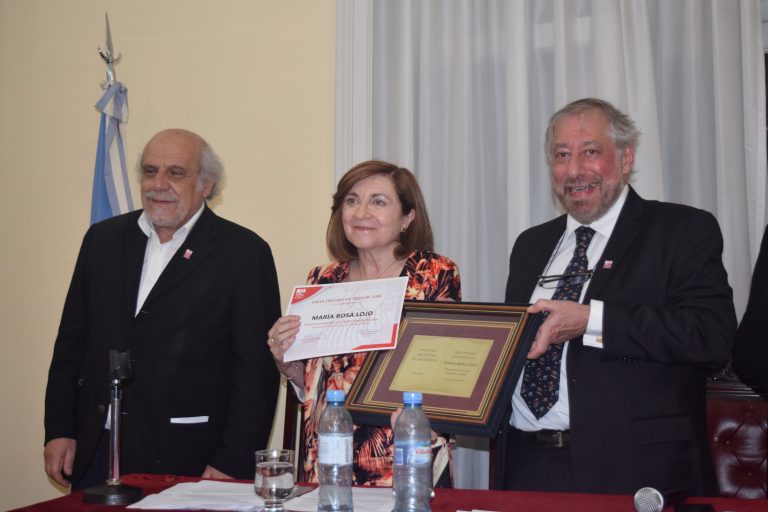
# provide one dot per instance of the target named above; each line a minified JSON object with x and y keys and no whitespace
{"x":364,"y":499}
{"x":341,"y":318}
{"x":204,"y":495}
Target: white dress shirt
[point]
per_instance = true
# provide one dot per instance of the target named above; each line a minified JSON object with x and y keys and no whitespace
{"x":158,"y":254}
{"x":557,"y":418}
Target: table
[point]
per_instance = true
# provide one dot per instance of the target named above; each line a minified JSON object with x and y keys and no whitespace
{"x":446,"y":500}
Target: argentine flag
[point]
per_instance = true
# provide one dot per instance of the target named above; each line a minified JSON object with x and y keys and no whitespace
{"x":111,"y":191}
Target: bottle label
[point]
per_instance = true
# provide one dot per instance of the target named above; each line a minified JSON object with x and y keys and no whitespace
{"x":413,"y":453}
{"x":334,"y":449}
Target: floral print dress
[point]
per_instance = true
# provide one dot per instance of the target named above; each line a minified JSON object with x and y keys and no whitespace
{"x":431,"y":278}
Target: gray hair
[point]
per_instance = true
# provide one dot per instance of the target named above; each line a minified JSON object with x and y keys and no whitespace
{"x":211,"y":169}
{"x":622,"y":127}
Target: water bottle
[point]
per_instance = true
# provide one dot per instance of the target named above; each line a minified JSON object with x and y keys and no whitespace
{"x":413,"y":457}
{"x":334,"y":458}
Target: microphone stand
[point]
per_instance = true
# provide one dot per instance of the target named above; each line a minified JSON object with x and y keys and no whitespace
{"x":114,"y":492}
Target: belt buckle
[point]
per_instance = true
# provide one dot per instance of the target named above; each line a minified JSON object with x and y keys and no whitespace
{"x":551,"y":438}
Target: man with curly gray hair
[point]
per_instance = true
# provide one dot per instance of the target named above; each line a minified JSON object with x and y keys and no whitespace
{"x":188,"y":294}
{"x":637,"y":311}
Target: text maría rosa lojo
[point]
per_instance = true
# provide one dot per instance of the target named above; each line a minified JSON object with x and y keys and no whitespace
{"x":350,"y":314}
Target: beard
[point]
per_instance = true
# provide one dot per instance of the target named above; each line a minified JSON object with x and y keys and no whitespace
{"x":158,"y":216}
{"x":589,"y":209}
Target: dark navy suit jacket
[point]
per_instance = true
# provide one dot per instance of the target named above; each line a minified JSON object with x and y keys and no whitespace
{"x":637,"y":406}
{"x":198,"y":348}
{"x":750,"y":351}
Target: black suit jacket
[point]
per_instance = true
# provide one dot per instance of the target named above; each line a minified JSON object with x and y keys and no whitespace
{"x":637,"y":406}
{"x":750,"y":351}
{"x":198,"y":348}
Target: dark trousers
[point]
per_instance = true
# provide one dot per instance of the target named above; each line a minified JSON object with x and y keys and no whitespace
{"x":530,"y":467}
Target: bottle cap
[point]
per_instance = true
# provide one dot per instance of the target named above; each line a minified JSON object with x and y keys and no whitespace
{"x":334,"y":395}
{"x":412,"y":397}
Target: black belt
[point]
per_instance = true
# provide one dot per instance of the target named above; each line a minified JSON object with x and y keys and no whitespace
{"x":548,"y":438}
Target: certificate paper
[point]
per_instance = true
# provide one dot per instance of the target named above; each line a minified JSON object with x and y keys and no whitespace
{"x":341,"y":318}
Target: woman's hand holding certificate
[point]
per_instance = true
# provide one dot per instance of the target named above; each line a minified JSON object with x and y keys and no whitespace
{"x":346,"y":317}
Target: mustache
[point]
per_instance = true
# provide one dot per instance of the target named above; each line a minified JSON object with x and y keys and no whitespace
{"x":580,"y":181}
{"x":161,"y":196}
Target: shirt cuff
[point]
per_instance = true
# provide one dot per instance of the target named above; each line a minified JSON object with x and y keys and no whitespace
{"x":594,"y":335}
{"x":299,"y":391}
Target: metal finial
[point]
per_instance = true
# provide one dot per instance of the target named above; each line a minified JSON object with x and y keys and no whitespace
{"x":108,"y":54}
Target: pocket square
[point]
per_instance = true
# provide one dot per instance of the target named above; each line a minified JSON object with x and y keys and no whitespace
{"x":186,"y":420}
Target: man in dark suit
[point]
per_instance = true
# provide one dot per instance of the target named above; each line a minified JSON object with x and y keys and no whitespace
{"x":750,"y":350}
{"x":191,"y":296}
{"x":639,"y":289}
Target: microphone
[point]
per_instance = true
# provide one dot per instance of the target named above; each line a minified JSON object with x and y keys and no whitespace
{"x":120,"y":366}
{"x":649,"y":499}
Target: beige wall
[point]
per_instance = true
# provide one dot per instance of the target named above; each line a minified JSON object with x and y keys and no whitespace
{"x":253,"y":77}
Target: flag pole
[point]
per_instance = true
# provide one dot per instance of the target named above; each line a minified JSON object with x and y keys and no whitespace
{"x":109,"y":176}
{"x":108,"y":54}
{"x":111,"y":187}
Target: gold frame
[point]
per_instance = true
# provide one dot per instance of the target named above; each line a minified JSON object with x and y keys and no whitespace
{"x":510,"y":331}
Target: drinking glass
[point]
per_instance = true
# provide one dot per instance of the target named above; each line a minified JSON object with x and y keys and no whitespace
{"x":272,"y":455}
{"x":268,"y":456}
{"x":276,"y":483}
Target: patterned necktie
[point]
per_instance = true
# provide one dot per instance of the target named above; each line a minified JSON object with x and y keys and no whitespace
{"x":541,"y":378}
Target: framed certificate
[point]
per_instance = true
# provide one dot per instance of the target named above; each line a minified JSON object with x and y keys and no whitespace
{"x":465,"y":358}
